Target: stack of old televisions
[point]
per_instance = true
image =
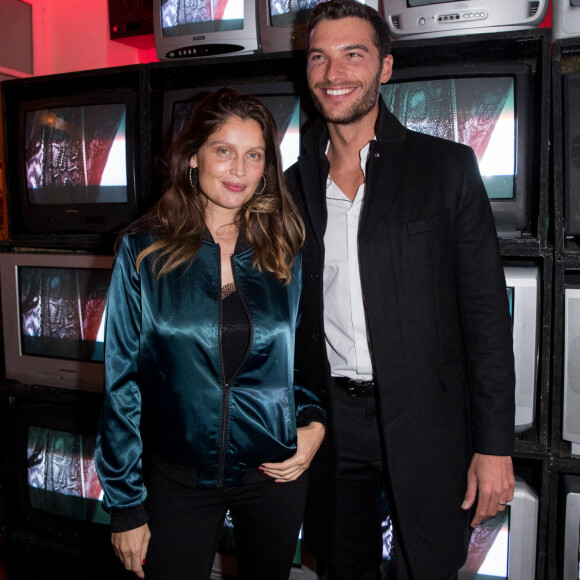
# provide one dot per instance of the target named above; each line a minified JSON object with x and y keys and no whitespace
{"x":502,"y":78}
{"x":74,"y":177}
{"x":565,"y":468}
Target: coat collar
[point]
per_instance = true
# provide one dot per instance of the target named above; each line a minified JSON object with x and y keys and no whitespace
{"x":314,"y":166}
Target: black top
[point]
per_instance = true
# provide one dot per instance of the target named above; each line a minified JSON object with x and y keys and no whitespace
{"x":235,"y":333}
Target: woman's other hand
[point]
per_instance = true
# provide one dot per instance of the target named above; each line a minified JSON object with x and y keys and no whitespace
{"x":309,"y":439}
{"x":131,"y":548}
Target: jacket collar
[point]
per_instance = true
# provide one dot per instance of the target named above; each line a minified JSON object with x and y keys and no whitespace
{"x":242,"y":243}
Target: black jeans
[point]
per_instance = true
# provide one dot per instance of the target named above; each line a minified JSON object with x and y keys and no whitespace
{"x":186,"y":525}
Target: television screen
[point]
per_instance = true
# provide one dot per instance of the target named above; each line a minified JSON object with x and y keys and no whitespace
{"x":179,"y":18}
{"x":505,"y":545}
{"x":62,"y":312}
{"x":488,"y":550}
{"x":479,"y":112}
{"x":571,"y":399}
{"x":76,"y":155}
{"x":522,"y":285}
{"x":486,"y":109}
{"x":281,"y":99}
{"x":77,"y":160}
{"x":283,"y":23}
{"x":53,"y":308}
{"x":570,"y":525}
{"x":204,"y":28}
{"x":62,"y":479}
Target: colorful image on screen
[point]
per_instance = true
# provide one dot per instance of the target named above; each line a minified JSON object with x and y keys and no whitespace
{"x":488,"y":550}
{"x":287,"y":12}
{"x":61,"y":475}
{"x":179,"y":17}
{"x":284,"y":108}
{"x":62,"y":312}
{"x":510,"y":295}
{"x":76,"y":155}
{"x":477,"y":111}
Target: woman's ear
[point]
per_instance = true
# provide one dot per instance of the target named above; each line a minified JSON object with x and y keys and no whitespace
{"x":193,"y":161}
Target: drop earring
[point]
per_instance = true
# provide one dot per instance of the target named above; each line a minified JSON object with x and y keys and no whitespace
{"x":263,"y":186}
{"x":193,"y":177}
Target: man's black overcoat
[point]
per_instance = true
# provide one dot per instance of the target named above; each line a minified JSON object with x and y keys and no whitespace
{"x":439,"y":329}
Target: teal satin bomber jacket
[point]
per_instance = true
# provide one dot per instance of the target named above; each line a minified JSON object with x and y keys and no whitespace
{"x":163,"y":373}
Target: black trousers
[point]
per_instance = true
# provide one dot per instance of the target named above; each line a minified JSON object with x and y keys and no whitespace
{"x":186,"y":526}
{"x":358,"y":533}
{"x":360,"y":510}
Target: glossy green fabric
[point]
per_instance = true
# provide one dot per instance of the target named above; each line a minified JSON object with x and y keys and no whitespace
{"x":163,"y":374}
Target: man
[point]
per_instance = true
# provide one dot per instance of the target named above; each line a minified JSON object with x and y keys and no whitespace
{"x":405,"y":326}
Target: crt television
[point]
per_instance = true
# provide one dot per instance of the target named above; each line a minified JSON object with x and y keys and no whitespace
{"x":571,"y":399}
{"x":53,"y":313}
{"x":283,"y":99}
{"x":565,"y":19}
{"x":283,"y":23}
{"x":488,"y":107}
{"x":523,"y":289}
{"x":59,"y":496}
{"x":434,"y":18}
{"x":204,"y":28}
{"x":570,"y":526}
{"x":72,"y":161}
{"x":505,"y":545}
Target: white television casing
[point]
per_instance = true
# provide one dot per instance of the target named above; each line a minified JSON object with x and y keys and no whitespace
{"x":519,"y":547}
{"x":565,"y":19}
{"x":208,"y":44}
{"x":571,"y":524}
{"x":44,"y":370}
{"x":287,"y":37}
{"x":526,"y":305}
{"x":445,"y":18}
{"x":571,"y":402}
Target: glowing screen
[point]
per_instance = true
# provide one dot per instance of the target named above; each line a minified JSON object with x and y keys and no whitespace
{"x":477,"y":111}
{"x":76,"y":155}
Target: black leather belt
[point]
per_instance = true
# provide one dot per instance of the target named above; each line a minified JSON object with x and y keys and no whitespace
{"x":355,"y":388}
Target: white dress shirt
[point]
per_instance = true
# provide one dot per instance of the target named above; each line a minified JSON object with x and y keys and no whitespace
{"x":344,"y":316}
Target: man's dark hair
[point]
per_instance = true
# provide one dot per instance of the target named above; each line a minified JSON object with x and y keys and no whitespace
{"x":338,"y":9}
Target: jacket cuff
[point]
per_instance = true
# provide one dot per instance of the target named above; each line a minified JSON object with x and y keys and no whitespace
{"x":128,"y":519}
{"x":310,"y":415}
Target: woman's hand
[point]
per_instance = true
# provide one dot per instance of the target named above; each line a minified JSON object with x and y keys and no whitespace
{"x":309,"y":439}
{"x":131,"y":548}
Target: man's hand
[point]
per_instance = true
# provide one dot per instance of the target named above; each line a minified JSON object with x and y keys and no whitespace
{"x":309,"y":440}
{"x":491,"y":479}
{"x":131,"y":548}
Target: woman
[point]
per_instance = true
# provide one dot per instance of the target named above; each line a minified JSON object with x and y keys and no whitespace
{"x":199,"y":381}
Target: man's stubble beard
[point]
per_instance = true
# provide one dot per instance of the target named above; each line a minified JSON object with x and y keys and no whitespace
{"x":358,"y":110}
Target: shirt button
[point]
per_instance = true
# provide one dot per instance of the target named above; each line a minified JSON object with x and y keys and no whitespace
{"x":314,"y":276}
{"x":315,"y":335}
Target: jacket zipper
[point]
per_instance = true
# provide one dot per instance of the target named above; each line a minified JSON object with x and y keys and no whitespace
{"x":226,"y":389}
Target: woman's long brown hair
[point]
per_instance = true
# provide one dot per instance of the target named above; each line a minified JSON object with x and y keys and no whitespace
{"x":270,"y":220}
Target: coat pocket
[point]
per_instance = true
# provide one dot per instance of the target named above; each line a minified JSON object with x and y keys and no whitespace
{"x":428,"y":225}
